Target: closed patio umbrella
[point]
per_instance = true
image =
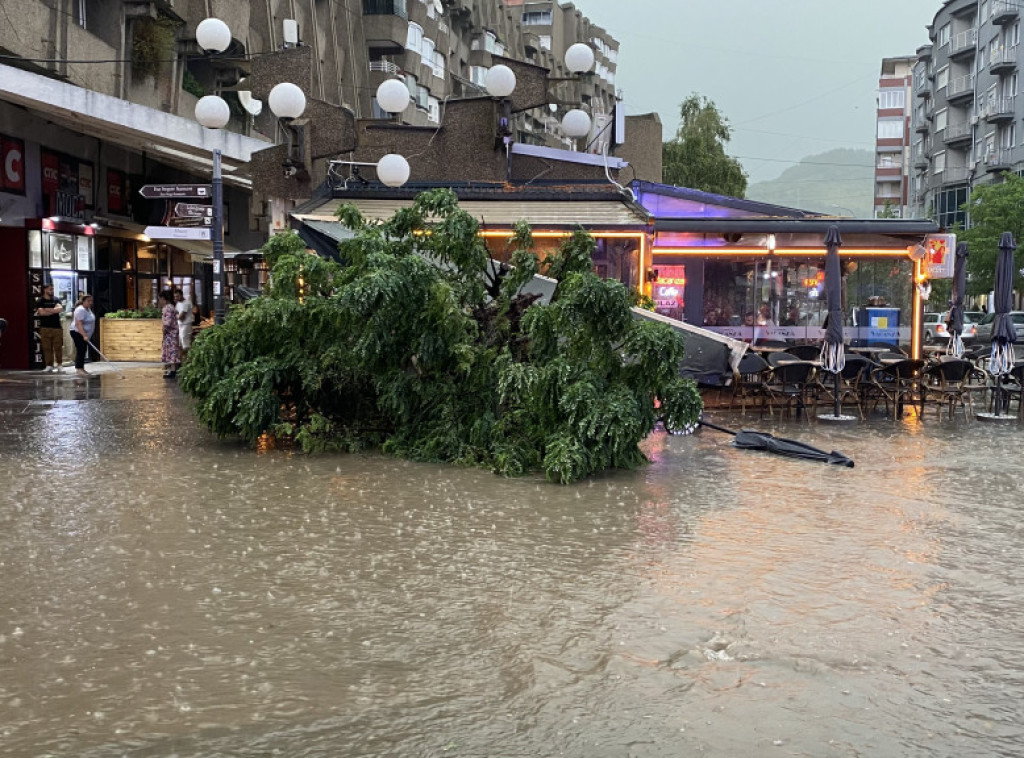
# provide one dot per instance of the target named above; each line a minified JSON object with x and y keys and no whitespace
{"x":1004,"y":334}
{"x":747,"y":439}
{"x":833,"y":357}
{"x":956,"y":311}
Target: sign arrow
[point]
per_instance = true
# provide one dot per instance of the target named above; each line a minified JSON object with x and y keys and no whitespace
{"x":192,"y":210}
{"x":173,"y":191}
{"x":177,"y":232}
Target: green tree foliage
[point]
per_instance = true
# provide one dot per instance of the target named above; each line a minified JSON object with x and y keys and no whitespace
{"x":420,"y":348}
{"x":696,"y":156}
{"x":993,"y":209}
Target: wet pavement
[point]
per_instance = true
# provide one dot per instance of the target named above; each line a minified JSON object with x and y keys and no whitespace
{"x":169,"y":594}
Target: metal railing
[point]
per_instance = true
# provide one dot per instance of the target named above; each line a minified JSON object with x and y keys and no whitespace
{"x":385,"y":66}
{"x":1001,"y":56}
{"x":963,"y":41}
{"x":960,"y":85}
{"x":957,"y":131}
{"x":998,"y":106}
{"x":1005,"y":8}
{"x":1000,"y":157}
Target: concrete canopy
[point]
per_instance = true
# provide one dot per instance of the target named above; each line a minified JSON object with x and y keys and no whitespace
{"x":178,"y":141}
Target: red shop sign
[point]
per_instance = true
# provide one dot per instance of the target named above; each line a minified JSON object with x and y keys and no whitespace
{"x":12,"y":165}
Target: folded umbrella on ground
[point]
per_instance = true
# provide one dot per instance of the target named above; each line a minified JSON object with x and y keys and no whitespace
{"x":747,"y":439}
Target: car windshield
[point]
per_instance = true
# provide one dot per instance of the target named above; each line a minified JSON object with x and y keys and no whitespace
{"x":1017,"y":318}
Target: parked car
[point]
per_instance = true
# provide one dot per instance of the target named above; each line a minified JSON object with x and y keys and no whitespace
{"x":935,"y":328}
{"x":985,"y":325}
{"x":974,"y":316}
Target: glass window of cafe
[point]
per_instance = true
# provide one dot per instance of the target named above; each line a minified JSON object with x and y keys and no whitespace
{"x":784,"y":298}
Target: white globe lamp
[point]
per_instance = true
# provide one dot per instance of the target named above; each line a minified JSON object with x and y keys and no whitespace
{"x":287,"y":100}
{"x":500,"y":81}
{"x":213,"y":112}
{"x":579,"y":58}
{"x":576,"y":123}
{"x":213,"y":35}
{"x":393,"y":96}
{"x":393,"y":170}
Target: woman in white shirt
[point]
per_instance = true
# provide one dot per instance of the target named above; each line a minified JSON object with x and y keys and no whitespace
{"x":83,"y":324}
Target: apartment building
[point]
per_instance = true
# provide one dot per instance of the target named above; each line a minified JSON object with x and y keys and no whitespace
{"x":966,"y":105}
{"x":892,"y":141}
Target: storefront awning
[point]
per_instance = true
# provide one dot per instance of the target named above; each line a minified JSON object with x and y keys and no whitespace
{"x":819,"y":225}
{"x":593,"y":215}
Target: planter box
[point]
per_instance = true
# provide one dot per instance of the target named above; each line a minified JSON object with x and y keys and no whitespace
{"x":131,"y":339}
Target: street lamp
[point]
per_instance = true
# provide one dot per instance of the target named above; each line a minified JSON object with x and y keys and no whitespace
{"x":214,"y":36}
{"x":286,"y":100}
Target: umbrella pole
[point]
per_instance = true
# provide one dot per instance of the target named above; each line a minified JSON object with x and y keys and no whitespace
{"x":837,"y":403}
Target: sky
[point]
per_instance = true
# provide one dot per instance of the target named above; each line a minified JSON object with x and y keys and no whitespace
{"x":794,"y":77}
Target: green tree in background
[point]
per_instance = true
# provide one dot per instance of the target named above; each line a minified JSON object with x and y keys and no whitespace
{"x":696,"y":156}
{"x":993,"y":209}
{"x":421,"y":347}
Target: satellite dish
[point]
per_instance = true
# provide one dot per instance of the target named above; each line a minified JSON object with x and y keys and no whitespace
{"x":251,"y":104}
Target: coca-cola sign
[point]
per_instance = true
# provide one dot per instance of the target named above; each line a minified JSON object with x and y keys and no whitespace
{"x":12,"y":165}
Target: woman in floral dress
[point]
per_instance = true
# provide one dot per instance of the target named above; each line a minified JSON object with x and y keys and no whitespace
{"x":170,"y":352}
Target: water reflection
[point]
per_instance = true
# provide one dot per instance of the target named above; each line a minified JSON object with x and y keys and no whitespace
{"x":169,"y":594}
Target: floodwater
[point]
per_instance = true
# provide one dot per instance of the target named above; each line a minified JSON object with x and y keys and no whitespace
{"x":165,"y":594}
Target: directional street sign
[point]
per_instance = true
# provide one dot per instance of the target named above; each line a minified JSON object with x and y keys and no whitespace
{"x":177,"y":232}
{"x":174,"y":191}
{"x":192,"y":210}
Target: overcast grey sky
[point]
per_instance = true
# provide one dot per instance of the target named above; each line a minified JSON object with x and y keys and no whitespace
{"x":794,"y":77}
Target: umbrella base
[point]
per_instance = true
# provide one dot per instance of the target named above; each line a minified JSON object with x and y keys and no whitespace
{"x":833,"y":419}
{"x":1000,"y":418}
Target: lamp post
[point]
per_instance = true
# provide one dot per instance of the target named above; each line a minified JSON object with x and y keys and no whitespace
{"x":213,"y":35}
{"x":287,"y":102}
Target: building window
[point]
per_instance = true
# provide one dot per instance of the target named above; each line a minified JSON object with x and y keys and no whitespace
{"x":949,"y":206}
{"x":1009,"y":136}
{"x":890,"y":128}
{"x":433,"y":110}
{"x":943,"y":38}
{"x":942,"y":77}
{"x":939,"y":163}
{"x":537,"y":18}
{"x":477,"y":74}
{"x":545,"y":41}
{"x":892,"y":98}
{"x":422,"y":97}
{"x":438,"y":64}
{"x":982,"y":58}
{"x":415,"y":39}
{"x":385,"y":8}
{"x":427,"y":51}
{"x":1015,"y":34}
{"x":940,"y":119}
{"x":983,"y":13}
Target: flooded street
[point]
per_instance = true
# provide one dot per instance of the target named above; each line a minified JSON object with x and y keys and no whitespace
{"x":166,"y":594}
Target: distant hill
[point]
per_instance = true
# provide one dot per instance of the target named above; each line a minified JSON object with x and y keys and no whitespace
{"x":837,"y":182}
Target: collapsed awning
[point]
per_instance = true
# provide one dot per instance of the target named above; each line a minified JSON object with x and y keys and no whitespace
{"x":593,"y":215}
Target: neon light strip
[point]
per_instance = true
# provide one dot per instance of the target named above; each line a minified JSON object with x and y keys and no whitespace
{"x":705,"y":252}
{"x":915,"y":317}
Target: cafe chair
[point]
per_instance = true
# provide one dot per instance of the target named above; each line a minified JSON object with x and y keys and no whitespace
{"x":950,"y":384}
{"x":851,"y":383}
{"x":751,"y":377}
{"x":897,"y":382}
{"x":791,"y":385}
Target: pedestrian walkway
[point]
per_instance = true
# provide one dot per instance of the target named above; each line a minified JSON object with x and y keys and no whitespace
{"x":36,"y":391}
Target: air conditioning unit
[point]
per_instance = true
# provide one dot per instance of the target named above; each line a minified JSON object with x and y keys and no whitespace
{"x":974,"y":119}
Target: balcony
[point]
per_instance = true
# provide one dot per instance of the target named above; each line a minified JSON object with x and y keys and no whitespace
{"x":1005,"y":11}
{"x":953,"y":175}
{"x":960,"y":88}
{"x":997,"y":160}
{"x":386,"y":25}
{"x":921,"y":161}
{"x":958,"y":133}
{"x":386,"y":8}
{"x":923,"y":87}
{"x":964,"y":44}
{"x":921,"y":124}
{"x":1002,"y":59}
{"x":999,"y":109}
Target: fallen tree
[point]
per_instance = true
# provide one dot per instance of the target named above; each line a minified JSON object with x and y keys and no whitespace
{"x":421,"y":347}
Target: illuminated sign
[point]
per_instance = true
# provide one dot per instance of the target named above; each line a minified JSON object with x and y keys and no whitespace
{"x":939,"y":258}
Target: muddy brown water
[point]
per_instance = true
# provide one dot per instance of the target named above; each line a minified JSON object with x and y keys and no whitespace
{"x":165,"y":594}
